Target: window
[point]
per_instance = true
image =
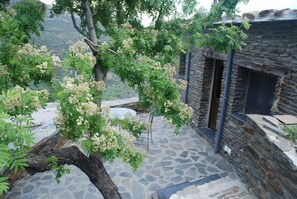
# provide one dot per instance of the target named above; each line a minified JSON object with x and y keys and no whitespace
{"x":260,"y":95}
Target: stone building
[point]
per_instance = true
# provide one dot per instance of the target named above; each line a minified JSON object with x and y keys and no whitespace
{"x":262,"y":82}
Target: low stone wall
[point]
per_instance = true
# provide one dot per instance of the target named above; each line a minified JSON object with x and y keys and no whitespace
{"x":265,"y":160}
{"x":132,"y":103}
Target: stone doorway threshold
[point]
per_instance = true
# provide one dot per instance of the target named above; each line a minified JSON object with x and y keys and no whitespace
{"x":167,"y":192}
{"x":207,"y":133}
{"x":209,"y":187}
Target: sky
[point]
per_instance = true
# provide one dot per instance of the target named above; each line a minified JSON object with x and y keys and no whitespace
{"x":253,"y":5}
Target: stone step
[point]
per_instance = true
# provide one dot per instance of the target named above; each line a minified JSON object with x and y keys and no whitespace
{"x":221,"y":188}
{"x":168,"y":191}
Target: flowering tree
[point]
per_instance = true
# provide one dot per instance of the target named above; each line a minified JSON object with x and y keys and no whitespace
{"x":20,"y":64}
{"x":145,"y":57}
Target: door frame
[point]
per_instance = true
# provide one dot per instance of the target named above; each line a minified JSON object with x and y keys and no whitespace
{"x":216,"y":64}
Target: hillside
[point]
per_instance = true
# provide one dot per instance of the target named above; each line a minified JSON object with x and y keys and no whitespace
{"x":58,"y":35}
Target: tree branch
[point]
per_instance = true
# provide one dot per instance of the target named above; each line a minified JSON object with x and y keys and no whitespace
{"x":158,"y":21}
{"x":89,"y":20}
{"x":92,"y":166}
{"x":94,"y":47}
{"x":76,"y":26}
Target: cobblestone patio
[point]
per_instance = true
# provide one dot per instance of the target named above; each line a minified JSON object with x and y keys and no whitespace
{"x":172,"y":159}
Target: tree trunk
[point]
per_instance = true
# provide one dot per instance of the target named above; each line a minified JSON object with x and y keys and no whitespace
{"x":92,"y":166}
{"x":89,"y":20}
{"x":99,"y":74}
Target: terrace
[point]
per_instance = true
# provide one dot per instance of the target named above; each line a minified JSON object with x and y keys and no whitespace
{"x":172,"y":163}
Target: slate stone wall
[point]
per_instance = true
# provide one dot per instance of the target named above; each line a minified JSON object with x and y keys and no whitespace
{"x":259,"y":162}
{"x":271,"y":48}
{"x":201,"y":71}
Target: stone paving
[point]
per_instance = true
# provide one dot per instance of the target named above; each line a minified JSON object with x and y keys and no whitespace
{"x":172,"y":159}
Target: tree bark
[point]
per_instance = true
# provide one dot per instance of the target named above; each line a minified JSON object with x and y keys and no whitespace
{"x":89,"y":20}
{"x":160,"y":15}
{"x":92,"y":166}
{"x":99,"y":74}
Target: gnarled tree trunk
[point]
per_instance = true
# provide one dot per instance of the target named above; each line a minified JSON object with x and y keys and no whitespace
{"x":92,"y":166}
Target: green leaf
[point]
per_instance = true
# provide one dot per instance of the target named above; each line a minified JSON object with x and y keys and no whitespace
{"x":5,"y":157}
{"x":4,"y":116}
{"x":4,"y":185}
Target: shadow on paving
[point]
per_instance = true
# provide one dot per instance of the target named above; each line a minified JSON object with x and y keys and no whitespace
{"x":172,"y":159}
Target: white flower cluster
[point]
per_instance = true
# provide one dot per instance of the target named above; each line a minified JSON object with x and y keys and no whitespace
{"x":61,"y":120}
{"x":13,"y":101}
{"x":100,"y":85}
{"x":43,"y":49}
{"x":128,"y":42}
{"x":80,"y":49}
{"x":42,"y":67}
{"x":142,"y":59}
{"x":170,"y":70}
{"x":186,"y":111}
{"x":106,"y":141}
{"x":4,"y":72}
{"x":29,"y":50}
{"x":79,"y":94}
{"x":11,"y":11}
{"x":127,"y":25}
{"x":168,"y":104}
{"x":70,"y":86}
{"x":87,"y":108}
{"x":56,"y":61}
{"x":80,"y":120}
{"x":129,"y":139}
{"x":154,"y":32}
{"x":182,"y":84}
{"x":156,"y":66}
{"x":109,"y":138}
{"x":105,"y":113}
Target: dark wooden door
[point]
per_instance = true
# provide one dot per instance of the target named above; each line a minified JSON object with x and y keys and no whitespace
{"x":216,"y":93}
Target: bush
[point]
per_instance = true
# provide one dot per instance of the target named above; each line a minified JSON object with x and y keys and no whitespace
{"x":292,"y":130}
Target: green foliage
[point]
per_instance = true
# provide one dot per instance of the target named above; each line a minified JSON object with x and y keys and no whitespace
{"x":19,"y":140}
{"x":292,"y":131}
{"x":81,"y":120}
{"x":60,"y":170}
{"x":29,"y":64}
{"x":204,"y":32}
{"x":20,"y":64}
{"x":189,"y":6}
{"x":3,"y":185}
{"x":132,"y":125}
{"x":152,"y":76}
{"x":224,"y":6}
{"x":5,"y":156}
{"x":224,"y":37}
{"x":81,"y":59}
{"x":19,"y":101}
{"x":21,"y":20}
